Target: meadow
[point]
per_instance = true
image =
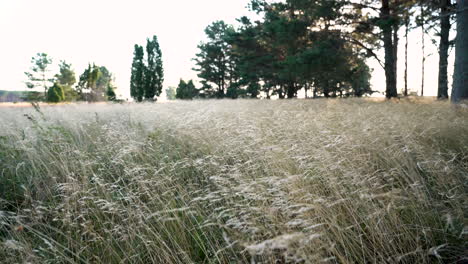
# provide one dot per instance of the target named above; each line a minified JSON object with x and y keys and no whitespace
{"x":235,"y":181}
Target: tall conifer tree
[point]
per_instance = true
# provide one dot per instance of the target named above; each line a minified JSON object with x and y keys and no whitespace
{"x":154,"y":73}
{"x":137,"y":81}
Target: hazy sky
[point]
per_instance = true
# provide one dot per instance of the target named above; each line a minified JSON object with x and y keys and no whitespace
{"x":104,"y":32}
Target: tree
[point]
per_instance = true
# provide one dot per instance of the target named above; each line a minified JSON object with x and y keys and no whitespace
{"x":254,"y":60}
{"x":214,"y":62}
{"x":154,"y":73}
{"x":387,"y":16}
{"x":55,"y":93}
{"x":386,"y":24}
{"x":66,"y":78}
{"x":295,"y":47}
{"x":181,"y":90}
{"x":95,"y":83}
{"x":171,"y":93}
{"x":39,"y":74}
{"x":436,"y":15}
{"x":407,"y":18}
{"x":87,"y":82}
{"x":445,"y":14}
{"x":66,"y":75}
{"x":137,"y":80}
{"x":460,"y":76}
{"x":186,"y":90}
{"x":110,"y":93}
{"x":422,"y":23}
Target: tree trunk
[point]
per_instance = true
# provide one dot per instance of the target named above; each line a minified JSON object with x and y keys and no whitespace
{"x":280,"y":93}
{"x":460,"y":76}
{"x":391,"y":90}
{"x":290,"y":90}
{"x":405,"y":93}
{"x":423,"y":49}
{"x":396,"y":27}
{"x":326,"y":89}
{"x":44,"y":85}
{"x":442,"y":92}
{"x":306,"y":87}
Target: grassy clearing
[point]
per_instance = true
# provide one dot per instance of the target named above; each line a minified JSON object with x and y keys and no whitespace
{"x":297,"y":181}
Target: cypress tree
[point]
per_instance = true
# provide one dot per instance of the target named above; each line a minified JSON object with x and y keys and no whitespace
{"x":154,"y":73}
{"x":181,"y":90}
{"x":137,"y":82}
{"x":55,"y":93}
{"x":186,"y":90}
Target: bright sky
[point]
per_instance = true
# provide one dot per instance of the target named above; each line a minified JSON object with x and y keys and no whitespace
{"x":104,"y":32}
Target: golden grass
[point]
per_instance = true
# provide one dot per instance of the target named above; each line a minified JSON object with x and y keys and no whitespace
{"x":246,"y":181}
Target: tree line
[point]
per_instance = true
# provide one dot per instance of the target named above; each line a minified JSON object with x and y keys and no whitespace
{"x":315,"y":47}
{"x":94,"y":84}
{"x":320,"y":47}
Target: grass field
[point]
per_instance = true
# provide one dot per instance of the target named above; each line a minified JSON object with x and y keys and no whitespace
{"x":253,"y":181}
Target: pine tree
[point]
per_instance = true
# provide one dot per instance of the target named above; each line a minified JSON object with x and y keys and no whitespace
{"x":191,"y":91}
{"x":214,"y":60}
{"x":154,"y":72}
{"x":387,"y":16}
{"x":137,"y":81}
{"x":444,"y":44}
{"x":181,"y":90}
{"x":39,"y":74}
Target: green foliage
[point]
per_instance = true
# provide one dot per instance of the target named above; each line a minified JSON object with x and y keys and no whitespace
{"x":39,"y":74}
{"x":214,"y":61}
{"x":55,"y":93}
{"x":110,"y":93}
{"x":66,"y":78}
{"x":147,"y":76}
{"x":94,"y":83}
{"x":66,"y":75}
{"x":295,"y":47}
{"x":154,"y":72}
{"x":186,"y":90}
{"x":11,"y":182}
{"x":137,"y":79}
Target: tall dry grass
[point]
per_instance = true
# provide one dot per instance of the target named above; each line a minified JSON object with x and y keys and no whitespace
{"x":300,"y":181}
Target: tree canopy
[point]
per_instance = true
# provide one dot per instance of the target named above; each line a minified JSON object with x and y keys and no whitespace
{"x":295,"y":47}
{"x":39,"y":74}
{"x":147,"y":75}
{"x":95,"y":84}
{"x":186,"y":90}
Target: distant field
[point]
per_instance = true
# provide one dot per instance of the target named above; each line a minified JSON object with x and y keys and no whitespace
{"x":44,"y":104}
{"x":235,"y":181}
